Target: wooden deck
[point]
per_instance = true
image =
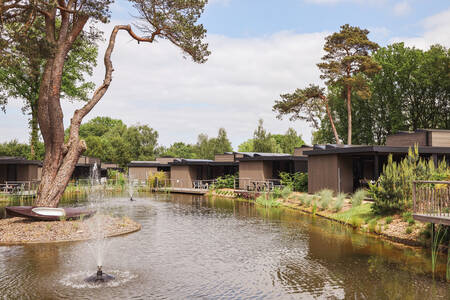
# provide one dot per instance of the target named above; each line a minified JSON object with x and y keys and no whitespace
{"x":433,"y":218}
{"x":191,"y":191}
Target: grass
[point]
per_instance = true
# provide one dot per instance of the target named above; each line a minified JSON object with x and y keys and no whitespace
{"x":339,"y":203}
{"x":388,"y":220}
{"x":408,"y":230}
{"x":267,"y":200}
{"x":286,"y":192}
{"x":372,"y":226}
{"x":406,"y":216}
{"x":358,"y":197}
{"x":326,"y":196}
{"x":436,"y":240}
{"x":363,"y":211}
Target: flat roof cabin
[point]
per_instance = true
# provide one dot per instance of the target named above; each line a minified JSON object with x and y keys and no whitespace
{"x":141,"y":170}
{"x":19,"y":169}
{"x":344,"y":168}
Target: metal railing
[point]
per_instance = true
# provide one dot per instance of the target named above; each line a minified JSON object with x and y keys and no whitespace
{"x":431,"y":197}
{"x":20,"y":187}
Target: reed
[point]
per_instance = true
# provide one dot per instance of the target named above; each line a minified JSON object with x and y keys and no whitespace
{"x":436,"y":239}
{"x":339,"y":202}
{"x":326,"y":196}
{"x":358,"y":197}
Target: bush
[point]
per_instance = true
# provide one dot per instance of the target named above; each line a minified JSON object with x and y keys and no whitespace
{"x":358,"y":197}
{"x":225,"y":182}
{"x":157,"y":179}
{"x":326,"y":196}
{"x":388,"y":220}
{"x":411,"y":221}
{"x":408,"y":230}
{"x":406,"y":215}
{"x":393,"y":190}
{"x":297,"y":182}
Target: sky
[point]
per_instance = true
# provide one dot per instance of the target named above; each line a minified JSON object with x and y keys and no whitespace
{"x":260,"y":49}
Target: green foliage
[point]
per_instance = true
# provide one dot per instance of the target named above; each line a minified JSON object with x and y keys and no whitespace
{"x":410,"y":92}
{"x":411,"y":221}
{"x":358,"y":197}
{"x":263,"y":141}
{"x":157,"y":179}
{"x":388,"y":220}
{"x":393,"y":190}
{"x":372,"y":225}
{"x":179,"y":149}
{"x":112,"y":141}
{"x":356,"y":222}
{"x":286,"y":192}
{"x":339,"y":202}
{"x":296,"y":181}
{"x":20,"y":77}
{"x":116,"y":175}
{"x":277,"y":193}
{"x":326,"y":197}
{"x":16,"y":149}
{"x":267,"y":200}
{"x":226,"y":181}
{"x":406,"y":215}
{"x":289,"y":141}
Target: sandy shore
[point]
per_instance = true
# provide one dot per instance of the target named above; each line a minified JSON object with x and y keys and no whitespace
{"x":18,"y":231}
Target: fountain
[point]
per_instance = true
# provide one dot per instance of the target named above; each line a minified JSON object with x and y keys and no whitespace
{"x":98,"y":244}
{"x":130,"y":189}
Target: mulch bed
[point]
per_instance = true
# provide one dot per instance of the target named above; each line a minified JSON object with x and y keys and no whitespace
{"x":17,"y":231}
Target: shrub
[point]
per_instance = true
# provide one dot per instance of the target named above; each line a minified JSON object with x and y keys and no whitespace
{"x":225,"y":182}
{"x":358,"y":197}
{"x":339,"y":203}
{"x":326,"y":196}
{"x":411,"y":221}
{"x":157,"y":179}
{"x":388,"y":220}
{"x":393,"y":190}
{"x":406,"y":215}
{"x":356,"y":221}
{"x":408,"y":230}
{"x":297,"y":182}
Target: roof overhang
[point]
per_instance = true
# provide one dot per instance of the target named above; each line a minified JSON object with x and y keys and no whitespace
{"x":382,"y":150}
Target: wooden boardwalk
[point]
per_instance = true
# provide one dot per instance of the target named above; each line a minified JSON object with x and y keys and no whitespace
{"x":431,"y":201}
{"x":176,"y":190}
{"x":432,"y":218}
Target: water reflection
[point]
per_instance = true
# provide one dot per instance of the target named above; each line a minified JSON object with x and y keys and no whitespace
{"x":194,"y":247}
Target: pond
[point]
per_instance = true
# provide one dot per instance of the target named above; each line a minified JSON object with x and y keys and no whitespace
{"x":199,"y":248}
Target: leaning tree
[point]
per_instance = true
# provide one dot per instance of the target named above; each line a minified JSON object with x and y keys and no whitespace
{"x":65,"y":21}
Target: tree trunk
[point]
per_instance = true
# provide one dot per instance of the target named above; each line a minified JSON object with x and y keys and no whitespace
{"x":34,"y":136}
{"x":349,"y":115}
{"x":61,"y":158}
{"x":336,"y":136}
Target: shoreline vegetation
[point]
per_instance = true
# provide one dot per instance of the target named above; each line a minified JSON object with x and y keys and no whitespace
{"x":397,"y":228}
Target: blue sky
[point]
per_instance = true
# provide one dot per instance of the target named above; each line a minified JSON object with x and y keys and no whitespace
{"x":260,"y":49}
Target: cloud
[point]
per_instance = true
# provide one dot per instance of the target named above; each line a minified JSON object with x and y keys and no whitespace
{"x":152,"y":84}
{"x":327,"y":2}
{"x":436,"y":30}
{"x":402,"y":8}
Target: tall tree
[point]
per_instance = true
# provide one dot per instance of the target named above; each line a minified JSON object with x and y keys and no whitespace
{"x":289,"y":141}
{"x":263,"y":140}
{"x":309,"y":104}
{"x":348,"y":63}
{"x":20,"y":78}
{"x":173,"y":20}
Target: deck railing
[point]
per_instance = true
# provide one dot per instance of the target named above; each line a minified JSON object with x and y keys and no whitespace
{"x":431,"y":197}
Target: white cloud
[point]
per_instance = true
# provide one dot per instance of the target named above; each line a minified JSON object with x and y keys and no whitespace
{"x":436,"y":30}
{"x":152,"y":84}
{"x":402,"y":8}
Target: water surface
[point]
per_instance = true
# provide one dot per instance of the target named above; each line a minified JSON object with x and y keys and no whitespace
{"x":195,"y":248}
